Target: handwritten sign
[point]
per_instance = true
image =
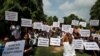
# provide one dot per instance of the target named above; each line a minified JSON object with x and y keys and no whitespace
{"x":55,"y":41}
{"x":91,"y":46}
{"x":94,"y":22}
{"x":44,"y":42}
{"x":56,"y":24}
{"x":11,"y":16}
{"x":85,"y":33}
{"x":75,"y":22}
{"x":37,"y":25}
{"x":82,"y":24}
{"x":26,"y":22}
{"x":14,"y":48}
{"x":45,"y":28}
{"x":96,"y":35}
{"x":78,"y":44}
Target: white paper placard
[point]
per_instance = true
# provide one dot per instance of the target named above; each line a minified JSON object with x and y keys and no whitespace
{"x":96,"y":35}
{"x":26,"y":22}
{"x":14,"y":48}
{"x":11,"y":16}
{"x":61,"y":20}
{"x":56,"y":24}
{"x":83,"y":24}
{"x":45,"y":28}
{"x":37,"y":25}
{"x":75,"y":22}
{"x":91,"y":46}
{"x":55,"y":41}
{"x":67,"y":28}
{"x":94,"y":22}
{"x":44,"y":42}
{"x":85,"y":33}
{"x":78,"y":44}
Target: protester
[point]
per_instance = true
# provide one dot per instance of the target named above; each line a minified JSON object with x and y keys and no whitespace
{"x":68,"y":47}
{"x":5,"y":40}
{"x":28,"y":45}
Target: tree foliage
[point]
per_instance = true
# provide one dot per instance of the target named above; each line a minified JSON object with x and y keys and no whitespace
{"x":95,"y":12}
{"x":68,"y":20}
{"x":26,"y":8}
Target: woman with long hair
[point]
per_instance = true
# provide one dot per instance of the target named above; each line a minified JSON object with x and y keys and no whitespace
{"x":68,"y":46}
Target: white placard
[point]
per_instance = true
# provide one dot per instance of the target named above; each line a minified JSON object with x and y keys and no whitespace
{"x":91,"y":46}
{"x":44,"y":42}
{"x":67,"y":28}
{"x":85,"y":33}
{"x":94,"y":22}
{"x":96,"y":35}
{"x":61,"y":20}
{"x":11,"y":16}
{"x":37,"y":25}
{"x":83,"y":24}
{"x":14,"y":48}
{"x":56,"y":24}
{"x":78,"y":44}
{"x":75,"y":22}
{"x":26,"y":22}
{"x":55,"y":41}
{"x":45,"y":28}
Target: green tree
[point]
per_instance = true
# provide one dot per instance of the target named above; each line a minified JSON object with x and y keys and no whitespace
{"x":50,"y":20}
{"x":26,"y":8}
{"x":68,"y":20}
{"x":95,"y":12}
{"x":55,"y":19}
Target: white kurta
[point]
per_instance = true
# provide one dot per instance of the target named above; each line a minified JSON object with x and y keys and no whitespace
{"x":68,"y":49}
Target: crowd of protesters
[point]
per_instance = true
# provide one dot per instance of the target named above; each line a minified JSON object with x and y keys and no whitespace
{"x":31,"y":35}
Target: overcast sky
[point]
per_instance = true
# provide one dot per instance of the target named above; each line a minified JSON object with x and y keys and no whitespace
{"x":62,"y":8}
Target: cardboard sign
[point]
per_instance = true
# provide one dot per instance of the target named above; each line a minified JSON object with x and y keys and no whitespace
{"x":55,"y":41}
{"x":14,"y":48}
{"x":91,"y":46}
{"x":75,"y":22}
{"x":82,"y":24}
{"x":26,"y":22}
{"x":78,"y":44}
{"x":37,"y":25}
{"x":84,"y":33}
{"x":44,"y":42}
{"x":11,"y":16}
{"x":56,"y":24}
{"x":94,"y":22}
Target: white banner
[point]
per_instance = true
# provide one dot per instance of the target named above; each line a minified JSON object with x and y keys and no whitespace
{"x":26,"y":22}
{"x":44,"y":42}
{"x":91,"y":46}
{"x":94,"y":22}
{"x":55,"y":41}
{"x":37,"y":25}
{"x":75,"y":22}
{"x":78,"y":44}
{"x":15,"y":48}
{"x":56,"y":24}
{"x":11,"y":16}
{"x":83,"y":24}
{"x":84,"y":33}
